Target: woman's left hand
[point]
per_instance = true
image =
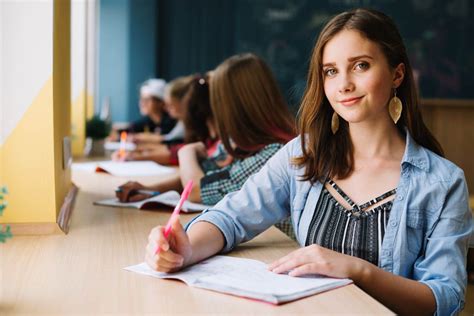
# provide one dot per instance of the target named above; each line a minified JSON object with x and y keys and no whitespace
{"x":315,"y":259}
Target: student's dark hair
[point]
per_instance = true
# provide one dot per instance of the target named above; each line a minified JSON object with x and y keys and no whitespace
{"x":325,"y":154}
{"x":248,"y":106}
{"x":198,"y":112}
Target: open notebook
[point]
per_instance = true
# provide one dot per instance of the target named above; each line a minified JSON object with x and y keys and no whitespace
{"x":170,"y":198}
{"x":247,"y":278}
{"x":126,"y":168}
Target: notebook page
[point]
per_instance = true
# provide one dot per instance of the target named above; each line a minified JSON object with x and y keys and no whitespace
{"x":253,"y":275}
{"x":248,"y":278}
{"x":135,"y":168}
{"x":170,"y":198}
{"x":127,"y":168}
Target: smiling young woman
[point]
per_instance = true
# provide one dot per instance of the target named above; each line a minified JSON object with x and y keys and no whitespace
{"x":372,"y":200}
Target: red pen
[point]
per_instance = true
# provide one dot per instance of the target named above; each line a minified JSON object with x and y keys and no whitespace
{"x":177,"y":209}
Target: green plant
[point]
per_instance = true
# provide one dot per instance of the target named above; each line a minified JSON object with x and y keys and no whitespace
{"x":5,"y":232}
{"x":96,"y":128}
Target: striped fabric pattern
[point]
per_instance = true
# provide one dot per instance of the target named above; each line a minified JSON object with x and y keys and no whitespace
{"x":357,"y":232}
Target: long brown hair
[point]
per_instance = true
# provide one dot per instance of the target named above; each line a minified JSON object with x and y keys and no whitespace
{"x":248,"y":107}
{"x":198,"y":112}
{"x":325,"y":154}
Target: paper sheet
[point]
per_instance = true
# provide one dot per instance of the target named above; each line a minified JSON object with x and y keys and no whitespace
{"x":127,"y":168}
{"x":246,"y":277}
{"x":170,"y":198}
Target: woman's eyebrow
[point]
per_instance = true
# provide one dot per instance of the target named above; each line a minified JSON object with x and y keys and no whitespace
{"x":350,"y":59}
{"x":359,"y":57}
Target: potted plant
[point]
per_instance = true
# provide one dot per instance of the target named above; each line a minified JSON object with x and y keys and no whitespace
{"x":5,"y":232}
{"x":97,"y":130}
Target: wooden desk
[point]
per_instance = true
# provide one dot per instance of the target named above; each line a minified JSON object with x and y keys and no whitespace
{"x":81,"y":273}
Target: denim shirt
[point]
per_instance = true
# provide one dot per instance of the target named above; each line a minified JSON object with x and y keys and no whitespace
{"x":426,"y":237}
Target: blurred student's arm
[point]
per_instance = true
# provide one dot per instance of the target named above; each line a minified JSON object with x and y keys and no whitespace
{"x":190,"y":169}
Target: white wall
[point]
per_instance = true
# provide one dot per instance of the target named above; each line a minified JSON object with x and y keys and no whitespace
{"x":78,"y":48}
{"x":26,"y":43}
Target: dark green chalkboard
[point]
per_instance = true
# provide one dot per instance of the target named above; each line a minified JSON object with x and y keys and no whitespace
{"x":438,"y":35}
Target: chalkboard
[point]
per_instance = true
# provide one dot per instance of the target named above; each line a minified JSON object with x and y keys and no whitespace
{"x":438,"y":35}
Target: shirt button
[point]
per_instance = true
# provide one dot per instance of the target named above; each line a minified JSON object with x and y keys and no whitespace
{"x":400,"y":197}
{"x":393,"y":223}
{"x":388,"y":252}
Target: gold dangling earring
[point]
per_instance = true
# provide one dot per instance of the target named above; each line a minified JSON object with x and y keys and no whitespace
{"x":334,"y":122}
{"x":395,"y":108}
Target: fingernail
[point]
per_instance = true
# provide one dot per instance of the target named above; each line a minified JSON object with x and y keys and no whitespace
{"x":165,"y":247}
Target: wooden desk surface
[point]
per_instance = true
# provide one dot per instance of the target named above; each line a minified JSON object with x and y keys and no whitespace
{"x":81,"y":273}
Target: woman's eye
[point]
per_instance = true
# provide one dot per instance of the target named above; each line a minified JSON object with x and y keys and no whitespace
{"x":330,"y":72}
{"x":362,"y":66}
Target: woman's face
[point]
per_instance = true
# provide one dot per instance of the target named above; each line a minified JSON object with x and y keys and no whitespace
{"x":175,"y":107}
{"x":358,"y":81}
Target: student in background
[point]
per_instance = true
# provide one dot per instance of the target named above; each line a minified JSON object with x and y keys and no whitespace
{"x":253,"y":123}
{"x":362,"y":138}
{"x":175,"y":105}
{"x":163,"y":148}
{"x":152,"y":107}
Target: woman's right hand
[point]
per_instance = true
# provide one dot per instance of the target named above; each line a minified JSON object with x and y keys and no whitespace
{"x":125,"y":192}
{"x":175,"y":252}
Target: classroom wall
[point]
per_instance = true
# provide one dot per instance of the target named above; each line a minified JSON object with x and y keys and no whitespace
{"x":34,"y":107}
{"x":127,"y":54}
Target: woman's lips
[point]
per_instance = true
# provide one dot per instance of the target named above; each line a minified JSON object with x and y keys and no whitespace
{"x":350,"y":101}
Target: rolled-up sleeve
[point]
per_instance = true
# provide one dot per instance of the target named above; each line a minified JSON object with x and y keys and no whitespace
{"x":443,"y":267}
{"x":261,"y":202}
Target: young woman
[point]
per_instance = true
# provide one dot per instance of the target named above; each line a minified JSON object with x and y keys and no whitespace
{"x":251,"y":119}
{"x":369,"y":194}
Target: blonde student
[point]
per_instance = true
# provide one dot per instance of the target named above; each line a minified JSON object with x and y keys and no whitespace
{"x":369,"y":194}
{"x":252,"y":121}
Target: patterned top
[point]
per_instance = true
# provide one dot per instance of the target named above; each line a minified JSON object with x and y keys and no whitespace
{"x":355,"y":232}
{"x":218,"y":181}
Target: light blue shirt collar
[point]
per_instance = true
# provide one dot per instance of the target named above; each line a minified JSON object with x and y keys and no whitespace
{"x":415,"y":155}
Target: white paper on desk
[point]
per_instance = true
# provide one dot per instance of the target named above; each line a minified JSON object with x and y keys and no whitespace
{"x":116,"y":146}
{"x":126,"y":168}
{"x":170,"y":198}
{"x":247,"y":278}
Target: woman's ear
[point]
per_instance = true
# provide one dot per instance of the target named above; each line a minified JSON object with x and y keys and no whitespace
{"x":398,"y":75}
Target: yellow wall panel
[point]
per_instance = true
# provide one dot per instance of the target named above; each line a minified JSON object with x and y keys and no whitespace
{"x":27,"y":157}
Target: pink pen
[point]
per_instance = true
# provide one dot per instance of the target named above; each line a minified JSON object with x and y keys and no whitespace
{"x":177,"y":209}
